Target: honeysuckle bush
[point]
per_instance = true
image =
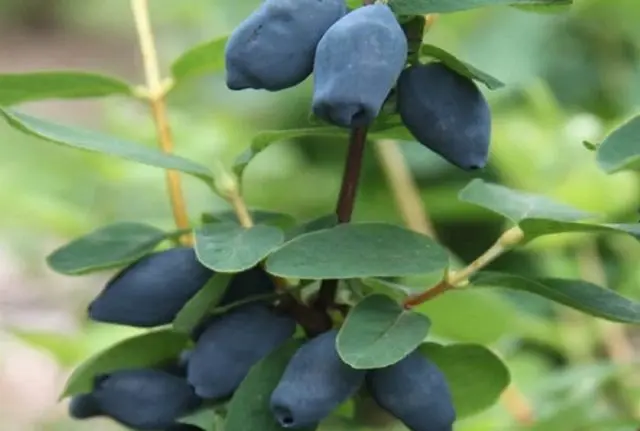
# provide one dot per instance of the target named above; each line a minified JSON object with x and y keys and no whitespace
{"x":381,"y":266}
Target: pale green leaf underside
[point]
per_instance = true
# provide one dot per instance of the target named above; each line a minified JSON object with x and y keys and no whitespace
{"x":621,"y":149}
{"x":88,"y":140}
{"x":28,"y":87}
{"x":144,"y":350}
{"x":579,"y":294}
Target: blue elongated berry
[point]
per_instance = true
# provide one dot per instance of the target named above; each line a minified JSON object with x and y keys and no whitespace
{"x":358,"y":61}
{"x":232,"y":344}
{"x":151,"y":291}
{"x":144,"y":399}
{"x":415,"y":391}
{"x":447,"y":113}
{"x":315,"y":382}
{"x":274,"y":47}
{"x":83,"y":406}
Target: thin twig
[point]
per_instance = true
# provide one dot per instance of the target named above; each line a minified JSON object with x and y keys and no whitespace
{"x":454,"y":279}
{"x":156,"y":95}
{"x":404,"y":188}
{"x":241,"y":210}
{"x":518,"y":405}
{"x":346,"y":200}
{"x":351,"y":177}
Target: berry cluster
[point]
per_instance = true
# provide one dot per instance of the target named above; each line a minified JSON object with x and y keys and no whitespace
{"x":358,"y":59}
{"x":151,"y":291}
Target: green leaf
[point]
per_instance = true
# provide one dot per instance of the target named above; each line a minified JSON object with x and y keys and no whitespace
{"x":384,"y":128}
{"x":476,"y":376}
{"x":202,"y":59}
{"x":228,"y":247}
{"x":206,"y":419}
{"x":420,"y":7}
{"x":65,"y":349}
{"x":378,"y":332}
{"x":201,"y":304}
{"x":28,"y":87}
{"x":357,"y":250}
{"x":460,"y":66}
{"x":534,"y":228}
{"x":141,"y":351}
{"x":283,"y":221}
{"x":621,"y":149}
{"x":108,"y":247}
{"x":92,"y":141}
{"x":579,"y":294}
{"x":537,"y":215}
{"x":516,"y":205}
{"x":249,"y":407}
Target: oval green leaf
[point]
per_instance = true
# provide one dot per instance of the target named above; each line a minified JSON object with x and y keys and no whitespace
{"x":460,"y":66}
{"x":382,"y":129}
{"x":201,"y":303}
{"x":516,"y":205}
{"x":581,"y":295}
{"x":476,"y":376}
{"x":28,"y":87}
{"x":358,"y":250}
{"x":202,"y":59}
{"x":145,"y":350}
{"x":228,"y":247}
{"x":621,"y":149}
{"x":378,"y":332}
{"x":534,"y":228}
{"x":108,"y":247}
{"x":420,"y":7}
{"x":87,"y":140}
{"x":249,"y":407}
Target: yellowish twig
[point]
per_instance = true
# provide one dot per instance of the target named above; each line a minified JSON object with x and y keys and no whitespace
{"x":518,"y":405}
{"x":430,"y":20}
{"x":459,"y":278}
{"x":403,"y":187}
{"x":240,"y":208}
{"x":155,"y":92}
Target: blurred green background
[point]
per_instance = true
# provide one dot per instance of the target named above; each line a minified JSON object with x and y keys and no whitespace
{"x":570,"y":77}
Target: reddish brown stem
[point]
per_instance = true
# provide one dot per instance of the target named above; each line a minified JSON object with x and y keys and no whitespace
{"x":351,"y":176}
{"x":427,"y":295}
{"x":346,"y":200}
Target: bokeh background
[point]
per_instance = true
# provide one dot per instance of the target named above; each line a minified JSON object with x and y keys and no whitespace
{"x":571,"y":77}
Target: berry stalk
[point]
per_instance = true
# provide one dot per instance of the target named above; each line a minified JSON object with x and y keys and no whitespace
{"x":346,"y":199}
{"x":156,"y":91}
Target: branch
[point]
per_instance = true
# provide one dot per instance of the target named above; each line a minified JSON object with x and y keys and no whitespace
{"x":346,"y":199}
{"x":454,"y":279}
{"x":155,"y":90}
